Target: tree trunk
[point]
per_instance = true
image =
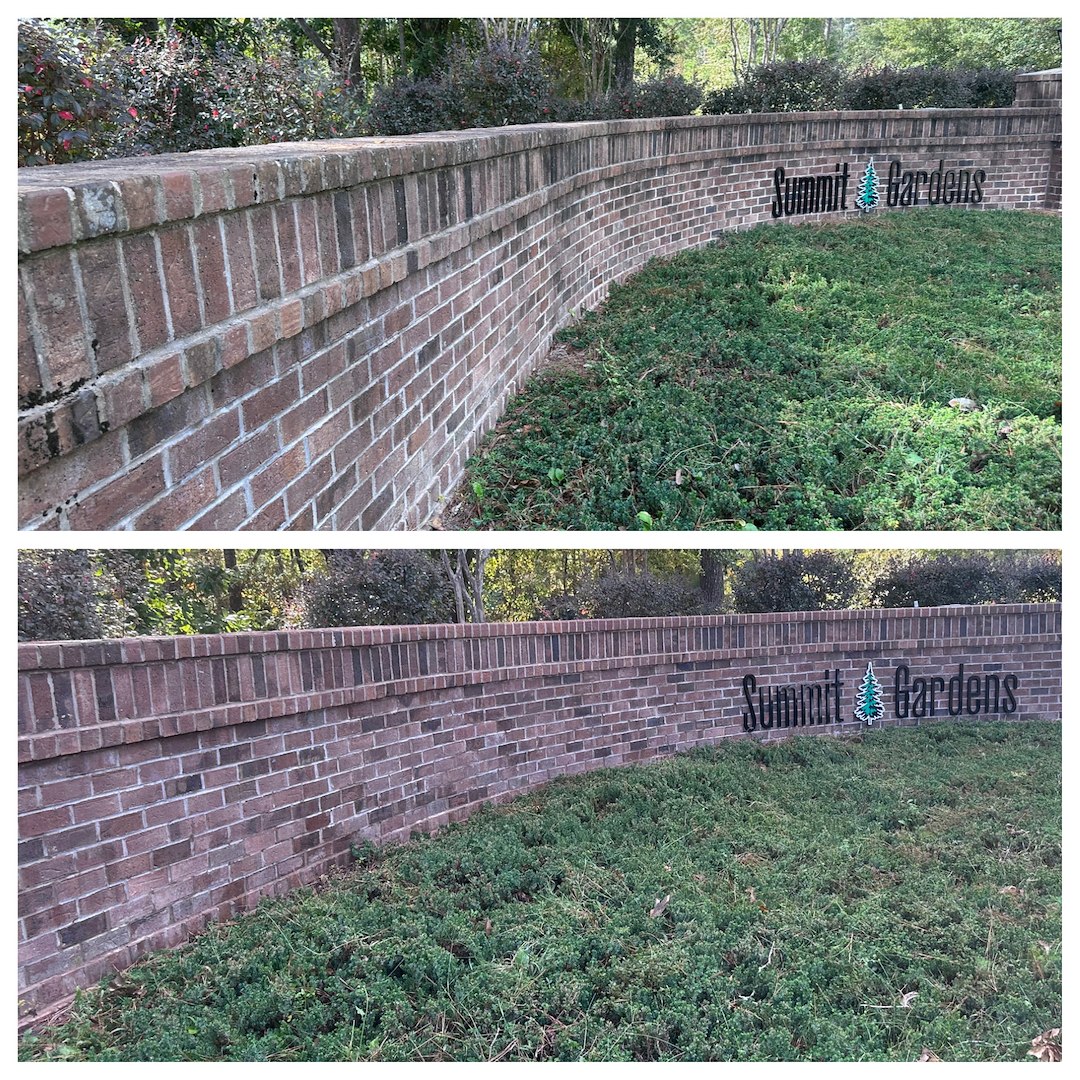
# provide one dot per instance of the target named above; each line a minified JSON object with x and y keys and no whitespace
{"x":713,"y":571}
{"x":625,"y":48}
{"x":467,"y":581}
{"x":235,"y":598}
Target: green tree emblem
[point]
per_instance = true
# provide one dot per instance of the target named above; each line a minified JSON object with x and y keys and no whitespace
{"x":867,"y":199}
{"x":868,"y":703}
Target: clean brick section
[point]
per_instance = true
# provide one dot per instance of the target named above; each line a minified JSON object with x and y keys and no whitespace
{"x":432,"y":269}
{"x":167,"y":782}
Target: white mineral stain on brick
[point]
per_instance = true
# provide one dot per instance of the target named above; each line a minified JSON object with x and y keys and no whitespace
{"x":99,"y":209}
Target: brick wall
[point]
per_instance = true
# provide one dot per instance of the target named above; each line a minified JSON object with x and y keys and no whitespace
{"x":165,"y":782}
{"x":315,"y":335}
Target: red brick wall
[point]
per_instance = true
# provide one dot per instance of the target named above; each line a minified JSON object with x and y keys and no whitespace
{"x":165,"y":782}
{"x":315,"y":335}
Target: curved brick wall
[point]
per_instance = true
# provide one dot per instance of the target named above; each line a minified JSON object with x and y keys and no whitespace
{"x":164,"y":782}
{"x":316,"y":335}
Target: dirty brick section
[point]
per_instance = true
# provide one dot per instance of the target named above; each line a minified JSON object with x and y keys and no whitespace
{"x":316,"y":335}
{"x":165,"y":782}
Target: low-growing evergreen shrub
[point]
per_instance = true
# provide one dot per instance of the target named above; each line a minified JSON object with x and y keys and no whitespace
{"x":501,"y":84}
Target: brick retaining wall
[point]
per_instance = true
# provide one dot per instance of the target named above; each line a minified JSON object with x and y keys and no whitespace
{"x":166,"y":782}
{"x":315,"y":335}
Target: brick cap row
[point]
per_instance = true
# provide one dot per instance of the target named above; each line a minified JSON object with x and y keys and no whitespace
{"x":71,"y":654}
{"x":122,"y":195}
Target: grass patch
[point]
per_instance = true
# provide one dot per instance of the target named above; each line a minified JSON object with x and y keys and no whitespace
{"x":829,"y":900}
{"x":800,"y":378}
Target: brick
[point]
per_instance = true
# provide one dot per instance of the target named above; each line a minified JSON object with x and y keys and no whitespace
{"x":49,"y":279}
{"x":244,"y":294}
{"x":180,"y":504}
{"x":143,"y":201}
{"x":30,"y":384}
{"x":141,"y":267}
{"x":288,"y":246}
{"x":48,"y":215}
{"x":267,"y":258}
{"x":213,"y":278}
{"x":179,"y":269}
{"x":179,"y":194}
{"x":105,"y":509}
{"x":204,"y":443}
{"x":111,"y":341}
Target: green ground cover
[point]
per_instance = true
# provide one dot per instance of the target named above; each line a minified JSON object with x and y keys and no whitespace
{"x":800,"y":378}
{"x":813,"y":899}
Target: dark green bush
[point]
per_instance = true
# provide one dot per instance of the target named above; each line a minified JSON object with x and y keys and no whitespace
{"x":965,"y":577}
{"x":378,"y":588}
{"x":84,"y":97}
{"x":58,"y":597}
{"x":671,"y":95}
{"x":793,"y":581}
{"x":818,"y":85}
{"x":502,"y":84}
{"x":62,"y":105}
{"x":928,"y":88}
{"x":411,"y":105}
{"x":621,"y":595}
{"x":787,"y":86}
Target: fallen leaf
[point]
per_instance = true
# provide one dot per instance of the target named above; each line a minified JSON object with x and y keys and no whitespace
{"x":660,"y":906}
{"x":678,"y":477}
{"x":928,"y":1055}
{"x":1047,"y":1046}
{"x":908,"y":998}
{"x":750,"y":892}
{"x":487,"y":927}
{"x":436,"y":523}
{"x":1010,"y":890}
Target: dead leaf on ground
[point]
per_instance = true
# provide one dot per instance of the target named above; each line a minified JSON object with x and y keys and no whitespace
{"x":753,"y":896}
{"x":1010,"y":890}
{"x":928,"y":1055}
{"x":660,"y":906}
{"x":487,"y":927}
{"x":1047,"y":1046}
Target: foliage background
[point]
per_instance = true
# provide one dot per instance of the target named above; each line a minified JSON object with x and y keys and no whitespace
{"x":72,"y":594}
{"x":107,"y":87}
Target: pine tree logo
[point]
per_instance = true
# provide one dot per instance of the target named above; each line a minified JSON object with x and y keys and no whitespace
{"x":868,"y":199}
{"x":868,"y":703}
